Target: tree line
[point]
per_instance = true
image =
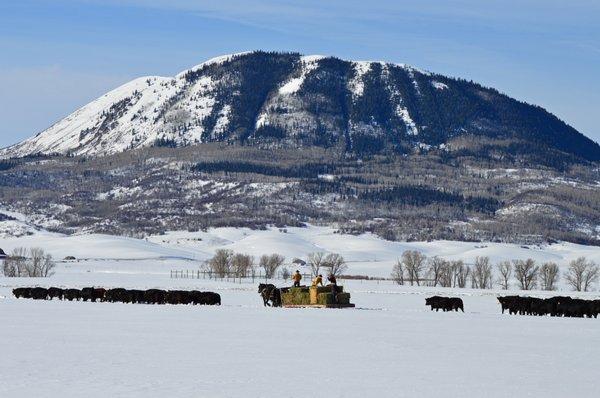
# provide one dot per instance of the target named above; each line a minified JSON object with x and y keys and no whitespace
{"x":226,"y":262}
{"x":306,"y":170}
{"x":416,"y":268}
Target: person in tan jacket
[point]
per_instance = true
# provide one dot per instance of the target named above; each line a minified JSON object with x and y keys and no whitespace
{"x":318,"y":280}
{"x":297,"y":278}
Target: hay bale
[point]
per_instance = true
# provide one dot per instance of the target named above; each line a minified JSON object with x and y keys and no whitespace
{"x":325,"y":298}
{"x":343,"y":298}
{"x":296,"y":296}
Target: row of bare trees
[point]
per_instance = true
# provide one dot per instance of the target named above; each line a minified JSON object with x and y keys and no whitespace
{"x":415,"y":268}
{"x":24,"y":263}
{"x":226,"y":262}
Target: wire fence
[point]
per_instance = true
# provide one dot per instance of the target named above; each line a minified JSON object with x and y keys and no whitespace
{"x":258,"y":275}
{"x":250,"y":276}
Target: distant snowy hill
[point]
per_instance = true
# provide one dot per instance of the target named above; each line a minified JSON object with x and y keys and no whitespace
{"x":362,"y":107}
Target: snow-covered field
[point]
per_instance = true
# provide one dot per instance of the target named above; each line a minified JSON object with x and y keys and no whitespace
{"x":390,"y":346}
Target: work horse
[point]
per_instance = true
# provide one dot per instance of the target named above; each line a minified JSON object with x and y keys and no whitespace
{"x":270,"y":293}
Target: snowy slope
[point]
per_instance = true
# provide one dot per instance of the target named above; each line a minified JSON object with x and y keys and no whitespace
{"x":366,"y":254}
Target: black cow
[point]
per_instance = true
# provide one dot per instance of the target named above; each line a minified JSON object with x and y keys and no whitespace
{"x":155,"y":296}
{"x":197,"y":297}
{"x":456,"y":304}
{"x":445,"y":303}
{"x":594,"y":308}
{"x":55,"y":292}
{"x":72,"y":294}
{"x":178,"y":297}
{"x":22,"y":292}
{"x":508,"y":303}
{"x":39,"y":293}
{"x":211,"y":298}
{"x":87,"y":293}
{"x":115,"y":295}
{"x":98,"y":294}
{"x":138,"y":296}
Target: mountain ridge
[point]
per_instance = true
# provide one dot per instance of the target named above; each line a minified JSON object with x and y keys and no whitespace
{"x":364,"y":107}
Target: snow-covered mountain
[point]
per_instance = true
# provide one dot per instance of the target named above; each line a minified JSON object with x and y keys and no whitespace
{"x":300,"y":100}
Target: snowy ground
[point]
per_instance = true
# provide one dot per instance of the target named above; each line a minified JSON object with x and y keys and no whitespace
{"x":390,"y":346}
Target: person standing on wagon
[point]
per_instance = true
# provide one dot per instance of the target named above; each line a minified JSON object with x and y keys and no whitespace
{"x":318,"y":280}
{"x":333,"y":284}
{"x":297,"y":278}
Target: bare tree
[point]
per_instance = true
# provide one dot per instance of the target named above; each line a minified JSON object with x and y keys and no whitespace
{"x":398,"y":273}
{"x":461,"y":273}
{"x":336,"y":264}
{"x":526,"y":272}
{"x":9,"y":268}
{"x":19,"y":256}
{"x":505,"y":270}
{"x":414,"y":264}
{"x":481,"y":276}
{"x":34,"y":263}
{"x":436,"y":269}
{"x":241,"y":264}
{"x":47,"y":268}
{"x":316,"y":260}
{"x":582,"y":274}
{"x":220,"y":264}
{"x":548,"y":276}
{"x":446,"y":275}
{"x":270,"y":263}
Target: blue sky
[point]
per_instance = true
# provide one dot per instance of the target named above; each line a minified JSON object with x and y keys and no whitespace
{"x":57,"y":55}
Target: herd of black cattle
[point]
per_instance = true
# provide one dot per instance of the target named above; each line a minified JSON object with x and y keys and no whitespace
{"x":120,"y":295}
{"x":554,"y":306}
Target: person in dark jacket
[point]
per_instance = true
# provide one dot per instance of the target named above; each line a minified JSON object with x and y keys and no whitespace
{"x":333,"y":284}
